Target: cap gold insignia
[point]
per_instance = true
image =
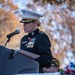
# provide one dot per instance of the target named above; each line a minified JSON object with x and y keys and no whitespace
{"x":26,"y":20}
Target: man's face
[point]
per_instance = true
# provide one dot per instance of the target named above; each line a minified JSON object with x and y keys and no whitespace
{"x":29,"y":27}
{"x":51,"y":69}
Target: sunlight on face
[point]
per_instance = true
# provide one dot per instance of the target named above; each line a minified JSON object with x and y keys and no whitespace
{"x":29,"y":27}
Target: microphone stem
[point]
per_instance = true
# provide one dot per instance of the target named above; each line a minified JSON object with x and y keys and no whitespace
{"x":7,"y":41}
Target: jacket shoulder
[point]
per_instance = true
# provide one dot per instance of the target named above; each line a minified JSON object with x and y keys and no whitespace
{"x":43,"y":35}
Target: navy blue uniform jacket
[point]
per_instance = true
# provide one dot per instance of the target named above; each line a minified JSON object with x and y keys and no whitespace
{"x":38,"y":42}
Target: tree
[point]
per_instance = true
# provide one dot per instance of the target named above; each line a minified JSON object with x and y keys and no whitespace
{"x":8,"y":20}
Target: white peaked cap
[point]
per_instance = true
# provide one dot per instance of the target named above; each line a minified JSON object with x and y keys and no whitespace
{"x":27,"y":14}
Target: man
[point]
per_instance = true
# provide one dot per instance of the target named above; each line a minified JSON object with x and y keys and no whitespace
{"x":54,"y":67}
{"x":35,"y":41}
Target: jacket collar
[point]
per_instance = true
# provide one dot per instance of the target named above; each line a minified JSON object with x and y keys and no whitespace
{"x":34,"y":32}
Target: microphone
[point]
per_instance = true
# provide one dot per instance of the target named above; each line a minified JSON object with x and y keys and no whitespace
{"x":13,"y":33}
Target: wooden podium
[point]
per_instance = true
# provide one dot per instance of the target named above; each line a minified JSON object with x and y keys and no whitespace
{"x":20,"y":64}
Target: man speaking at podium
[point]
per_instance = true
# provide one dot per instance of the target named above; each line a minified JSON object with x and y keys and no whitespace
{"x":35,"y":41}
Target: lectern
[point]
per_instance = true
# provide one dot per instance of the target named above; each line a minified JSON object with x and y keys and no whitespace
{"x":20,"y":64}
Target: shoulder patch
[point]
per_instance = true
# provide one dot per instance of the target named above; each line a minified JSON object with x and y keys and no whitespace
{"x":41,"y":32}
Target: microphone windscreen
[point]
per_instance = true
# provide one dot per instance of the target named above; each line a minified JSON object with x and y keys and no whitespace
{"x":18,"y":31}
